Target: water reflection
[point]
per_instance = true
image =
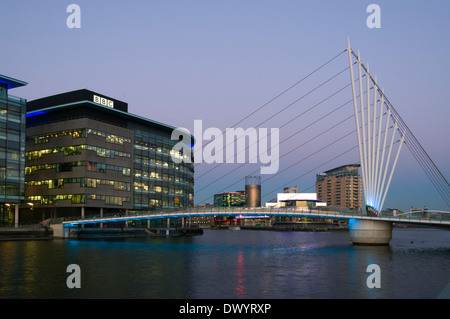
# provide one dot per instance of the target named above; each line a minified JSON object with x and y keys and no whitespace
{"x":224,"y":264}
{"x":240,"y":276}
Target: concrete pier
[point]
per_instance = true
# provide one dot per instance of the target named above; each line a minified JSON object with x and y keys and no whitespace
{"x":370,"y":232}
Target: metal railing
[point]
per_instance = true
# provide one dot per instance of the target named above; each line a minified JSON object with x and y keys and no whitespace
{"x":16,"y":99}
{"x":428,"y":217}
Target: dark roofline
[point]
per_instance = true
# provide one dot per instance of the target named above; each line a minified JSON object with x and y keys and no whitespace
{"x":11,"y":82}
{"x":105,"y":109}
{"x":71,"y":97}
{"x":342,"y":166}
{"x":82,"y":97}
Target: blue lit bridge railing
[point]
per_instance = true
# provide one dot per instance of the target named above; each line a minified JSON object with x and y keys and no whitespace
{"x":430,"y":217}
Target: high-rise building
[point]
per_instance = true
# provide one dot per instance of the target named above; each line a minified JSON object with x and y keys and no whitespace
{"x":12,"y":150}
{"x":340,"y":187}
{"x":86,"y":154}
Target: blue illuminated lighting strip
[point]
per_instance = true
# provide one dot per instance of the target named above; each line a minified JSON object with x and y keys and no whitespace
{"x":35,"y":113}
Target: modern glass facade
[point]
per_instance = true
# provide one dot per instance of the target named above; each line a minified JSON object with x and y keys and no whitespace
{"x":158,"y":181}
{"x":12,"y":150}
{"x":230,"y":199}
{"x":82,"y":156}
{"x":72,"y":163}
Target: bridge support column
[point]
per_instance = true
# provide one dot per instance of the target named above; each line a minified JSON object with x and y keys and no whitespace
{"x":16,"y":215}
{"x":370,"y":232}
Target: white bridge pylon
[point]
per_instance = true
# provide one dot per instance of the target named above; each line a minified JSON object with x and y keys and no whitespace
{"x":376,"y":135}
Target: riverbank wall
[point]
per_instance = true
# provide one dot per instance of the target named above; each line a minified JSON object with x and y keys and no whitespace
{"x":56,"y":231}
{"x":112,"y":233}
{"x":10,"y":234}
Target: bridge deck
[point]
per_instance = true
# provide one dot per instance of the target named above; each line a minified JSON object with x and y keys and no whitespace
{"x":435,"y":218}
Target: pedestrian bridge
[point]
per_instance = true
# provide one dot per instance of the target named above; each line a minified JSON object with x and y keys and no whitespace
{"x":380,"y":133}
{"x":364,"y":229}
{"x":427,"y":217}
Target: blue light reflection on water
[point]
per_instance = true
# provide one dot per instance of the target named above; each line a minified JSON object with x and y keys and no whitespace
{"x":230,"y":264}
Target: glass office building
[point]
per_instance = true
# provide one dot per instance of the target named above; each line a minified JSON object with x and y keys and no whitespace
{"x":12,"y":150}
{"x":230,"y":199}
{"x":87,"y":156}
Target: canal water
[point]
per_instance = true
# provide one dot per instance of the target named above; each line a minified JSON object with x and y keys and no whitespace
{"x":225,"y":264}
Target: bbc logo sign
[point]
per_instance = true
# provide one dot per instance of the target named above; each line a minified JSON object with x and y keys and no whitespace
{"x":103,"y":101}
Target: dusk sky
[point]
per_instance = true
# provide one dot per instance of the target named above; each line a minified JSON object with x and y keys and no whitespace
{"x":218,"y":61}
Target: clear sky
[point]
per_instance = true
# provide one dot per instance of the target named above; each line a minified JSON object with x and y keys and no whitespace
{"x":218,"y":61}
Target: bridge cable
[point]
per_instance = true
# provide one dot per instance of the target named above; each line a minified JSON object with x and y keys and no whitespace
{"x":302,"y":129}
{"x":322,"y":165}
{"x":423,"y":159}
{"x":329,"y":129}
{"x":419,"y":153}
{"x":303,"y":113}
{"x":289,"y":151}
{"x":284,"y":92}
{"x":289,"y":105}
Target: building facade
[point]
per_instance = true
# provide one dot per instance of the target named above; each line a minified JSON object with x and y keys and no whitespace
{"x":12,"y":150}
{"x":340,"y":187}
{"x":86,"y":156}
{"x":299,"y":200}
{"x":230,"y":199}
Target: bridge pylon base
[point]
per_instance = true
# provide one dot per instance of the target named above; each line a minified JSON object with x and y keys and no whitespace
{"x":370,"y":232}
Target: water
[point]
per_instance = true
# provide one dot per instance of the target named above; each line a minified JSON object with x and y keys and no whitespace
{"x":229,"y":265}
